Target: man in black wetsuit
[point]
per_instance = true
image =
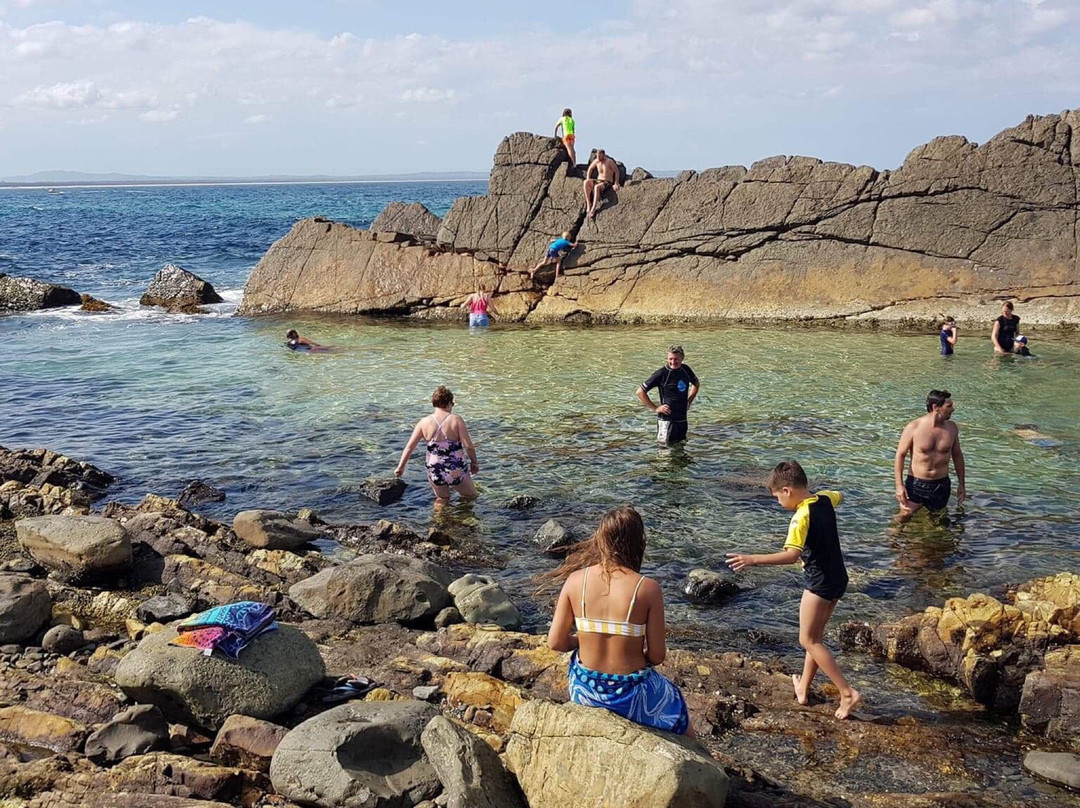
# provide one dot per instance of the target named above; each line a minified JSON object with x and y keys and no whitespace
{"x":678,"y":388}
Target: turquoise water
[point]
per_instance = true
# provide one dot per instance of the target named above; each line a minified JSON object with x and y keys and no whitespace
{"x":160,"y":399}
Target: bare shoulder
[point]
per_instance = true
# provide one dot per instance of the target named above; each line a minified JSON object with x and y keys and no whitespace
{"x":650,"y":590}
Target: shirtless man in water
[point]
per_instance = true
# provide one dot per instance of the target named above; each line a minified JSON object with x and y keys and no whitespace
{"x":932,"y":440}
{"x":607,"y":176}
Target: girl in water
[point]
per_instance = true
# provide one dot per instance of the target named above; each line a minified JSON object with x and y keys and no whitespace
{"x":448,"y":444}
{"x":478,"y":304}
{"x":619,"y":617}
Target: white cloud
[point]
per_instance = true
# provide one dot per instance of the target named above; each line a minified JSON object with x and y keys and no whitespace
{"x":159,"y":116}
{"x":256,"y":119}
{"x":63,"y":95}
{"x":427,"y":95}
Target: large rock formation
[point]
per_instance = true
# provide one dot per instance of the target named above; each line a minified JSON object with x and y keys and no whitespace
{"x":27,"y":294}
{"x":176,"y":289}
{"x":956,"y":227}
{"x":414,"y":220}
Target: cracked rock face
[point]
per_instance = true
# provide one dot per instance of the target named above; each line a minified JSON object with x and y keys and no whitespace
{"x":957,"y":226}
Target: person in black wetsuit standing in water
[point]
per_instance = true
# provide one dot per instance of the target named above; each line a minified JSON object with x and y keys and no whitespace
{"x":678,"y":388}
{"x":1005,"y":328}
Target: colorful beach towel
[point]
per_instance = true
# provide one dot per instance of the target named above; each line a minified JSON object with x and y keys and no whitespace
{"x":229,"y":629}
{"x":644,"y":696}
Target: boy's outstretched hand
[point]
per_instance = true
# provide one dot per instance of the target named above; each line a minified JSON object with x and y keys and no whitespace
{"x":738,"y":562}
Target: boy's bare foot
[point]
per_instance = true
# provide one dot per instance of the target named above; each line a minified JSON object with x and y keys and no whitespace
{"x":802,"y":694}
{"x":848,"y":703}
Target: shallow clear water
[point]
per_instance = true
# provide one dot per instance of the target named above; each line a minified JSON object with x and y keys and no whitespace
{"x":160,"y":399}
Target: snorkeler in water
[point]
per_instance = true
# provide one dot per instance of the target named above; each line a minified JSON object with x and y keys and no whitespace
{"x":294,"y":342}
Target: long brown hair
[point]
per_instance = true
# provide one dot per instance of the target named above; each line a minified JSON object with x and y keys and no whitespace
{"x":619,"y":541}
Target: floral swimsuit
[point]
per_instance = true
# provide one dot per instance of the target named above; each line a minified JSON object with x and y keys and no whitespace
{"x":446,"y":461}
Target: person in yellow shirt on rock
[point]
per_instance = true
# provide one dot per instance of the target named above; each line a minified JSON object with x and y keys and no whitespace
{"x":566,"y":124}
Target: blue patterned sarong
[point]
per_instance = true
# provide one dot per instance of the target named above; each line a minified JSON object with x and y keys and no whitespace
{"x":645,"y":696}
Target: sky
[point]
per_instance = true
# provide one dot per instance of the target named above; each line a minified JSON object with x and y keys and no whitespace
{"x":225,"y":88}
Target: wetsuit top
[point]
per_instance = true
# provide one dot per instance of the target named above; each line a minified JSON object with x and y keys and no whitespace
{"x":813,"y":530}
{"x":1007,"y":328}
{"x":946,"y":348}
{"x":479,"y":305}
{"x":674,"y":390}
{"x":567,"y":124}
{"x":296,"y":345}
{"x":558,"y":245}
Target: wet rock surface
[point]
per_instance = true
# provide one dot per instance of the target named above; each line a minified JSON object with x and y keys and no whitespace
{"x":709,"y":588}
{"x":383,"y":490}
{"x":177,"y":289}
{"x":27,"y":294}
{"x":197,"y":493}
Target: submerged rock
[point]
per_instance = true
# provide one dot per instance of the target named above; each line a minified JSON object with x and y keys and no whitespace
{"x":197,"y":493}
{"x":603,"y":759}
{"x":92,"y":304}
{"x":358,"y":755}
{"x":709,"y":588}
{"x":177,"y":289}
{"x":383,"y":490}
{"x":27,"y":294}
{"x":555,"y":538}
{"x":271,"y":676}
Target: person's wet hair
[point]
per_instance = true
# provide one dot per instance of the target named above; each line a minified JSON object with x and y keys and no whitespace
{"x":937,"y":398}
{"x":291,"y":334}
{"x":568,"y":112}
{"x":442,"y":397}
{"x":787,"y":474}
{"x":678,"y":351}
{"x":619,"y":541}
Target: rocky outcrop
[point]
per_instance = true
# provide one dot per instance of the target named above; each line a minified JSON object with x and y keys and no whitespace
{"x":76,"y":547}
{"x":471,"y":773}
{"x":603,"y":759}
{"x":271,"y":530}
{"x":271,"y":676}
{"x":176,"y":289}
{"x":957,"y":225}
{"x":412,"y":219}
{"x":27,"y":294}
{"x":92,"y":304}
{"x":34,"y":482}
{"x":991,"y":648}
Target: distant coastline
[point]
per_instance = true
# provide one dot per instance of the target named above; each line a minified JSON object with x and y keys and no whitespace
{"x":71,"y":179}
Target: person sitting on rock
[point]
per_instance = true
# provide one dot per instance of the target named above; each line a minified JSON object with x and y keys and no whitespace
{"x":295,"y":342}
{"x":448,"y":443}
{"x":607,"y":177}
{"x":620,"y":627}
{"x":566,"y":123}
{"x":812,"y":538}
{"x":556,"y":252}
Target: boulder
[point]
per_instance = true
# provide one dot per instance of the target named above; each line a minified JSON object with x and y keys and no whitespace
{"x":177,"y":289}
{"x":604,"y":759}
{"x":271,"y":676}
{"x":27,"y":294}
{"x":480,"y":599}
{"x":25,"y":606}
{"x":383,"y":490}
{"x":358,"y":755}
{"x":1050,"y":700}
{"x":1060,"y":768}
{"x":62,"y":640}
{"x":522,"y":502}
{"x":471,"y":773}
{"x":709,"y":588}
{"x":247,"y":743}
{"x":376,"y":589}
{"x":76,"y":547}
{"x":412,"y":219}
{"x":197,"y":493}
{"x":41,"y":467}
{"x":272,"y":530}
{"x":449,"y":616}
{"x":555,"y":538}
{"x":135,"y":731}
{"x":92,"y":304}
{"x":43,"y":730}
{"x":163,"y":608}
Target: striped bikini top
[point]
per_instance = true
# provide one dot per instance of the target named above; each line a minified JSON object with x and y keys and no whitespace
{"x":621,"y":628}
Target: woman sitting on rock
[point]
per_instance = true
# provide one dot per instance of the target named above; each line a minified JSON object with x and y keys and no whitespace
{"x":451,"y":456}
{"x":619,"y":616}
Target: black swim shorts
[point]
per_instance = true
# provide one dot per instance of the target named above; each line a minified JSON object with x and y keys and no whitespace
{"x":830,"y":584}
{"x":932,"y":494}
{"x":670,"y":432}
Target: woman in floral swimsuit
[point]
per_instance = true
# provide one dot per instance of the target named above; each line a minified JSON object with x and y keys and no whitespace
{"x":451,"y":456}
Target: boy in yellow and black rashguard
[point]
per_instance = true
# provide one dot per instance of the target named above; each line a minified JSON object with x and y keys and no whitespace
{"x":813,"y":538}
{"x":566,"y":123}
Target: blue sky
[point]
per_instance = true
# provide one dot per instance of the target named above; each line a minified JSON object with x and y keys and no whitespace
{"x":361,"y":87}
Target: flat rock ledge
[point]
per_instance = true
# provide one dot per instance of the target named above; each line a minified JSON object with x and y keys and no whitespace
{"x":957,"y":227}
